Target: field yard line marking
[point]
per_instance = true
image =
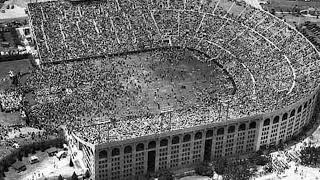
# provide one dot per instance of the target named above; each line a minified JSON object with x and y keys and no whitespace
{"x":200,"y":24}
{"x":155,"y":22}
{"x":224,"y":24}
{"x":115,"y":30}
{"x":231,"y":7}
{"x":44,"y":36}
{"x":293,"y":73}
{"x":215,"y":8}
{"x":241,"y":12}
{"x":252,"y":78}
{"x":179,"y":23}
{"x":277,"y":32}
{"x":33,"y":33}
{"x":240,"y":34}
{"x":260,"y":22}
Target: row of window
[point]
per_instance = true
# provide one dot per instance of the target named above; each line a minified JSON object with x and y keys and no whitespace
{"x":175,"y":140}
{"x":285,"y":115}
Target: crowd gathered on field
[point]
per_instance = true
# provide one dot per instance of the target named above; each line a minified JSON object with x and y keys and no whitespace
{"x":251,"y":63}
{"x":10,"y":101}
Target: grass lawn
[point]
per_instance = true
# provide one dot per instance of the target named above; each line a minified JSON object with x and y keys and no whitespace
{"x":287,"y":5}
{"x":5,"y":67}
{"x":10,"y":118}
{"x":15,"y":66}
{"x":195,"y":178}
{"x":294,"y":20}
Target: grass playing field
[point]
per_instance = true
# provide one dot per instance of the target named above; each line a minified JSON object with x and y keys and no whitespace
{"x":14,"y":66}
{"x":5,"y":67}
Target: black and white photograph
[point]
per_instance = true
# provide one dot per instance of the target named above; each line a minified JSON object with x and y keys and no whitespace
{"x":159,"y":90}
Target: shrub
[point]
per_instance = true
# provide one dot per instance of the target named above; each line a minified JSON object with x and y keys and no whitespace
{"x":60,"y":177}
{"x":71,"y":163}
{"x":74,"y":176}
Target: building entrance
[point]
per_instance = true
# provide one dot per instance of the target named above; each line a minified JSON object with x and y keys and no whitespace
{"x":151,"y":161}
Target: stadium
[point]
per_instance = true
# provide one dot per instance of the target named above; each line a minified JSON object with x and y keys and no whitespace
{"x":142,"y":86}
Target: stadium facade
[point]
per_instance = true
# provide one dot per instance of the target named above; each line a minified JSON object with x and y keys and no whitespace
{"x":124,"y":159}
{"x":191,"y":146}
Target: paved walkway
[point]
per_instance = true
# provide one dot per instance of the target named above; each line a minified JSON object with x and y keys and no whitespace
{"x":195,"y":178}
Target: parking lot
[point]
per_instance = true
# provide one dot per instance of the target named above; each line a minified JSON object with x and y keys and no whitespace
{"x":47,"y":167}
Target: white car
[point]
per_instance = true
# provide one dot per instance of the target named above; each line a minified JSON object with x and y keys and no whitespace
{"x":33,"y":159}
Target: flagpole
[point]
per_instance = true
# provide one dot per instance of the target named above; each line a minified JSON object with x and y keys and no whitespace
{"x":227,"y":110}
{"x":219,"y":103}
{"x":108,"y":131}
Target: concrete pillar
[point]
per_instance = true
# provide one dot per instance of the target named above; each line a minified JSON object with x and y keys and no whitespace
{"x":157,"y":154}
{"x":121,"y":161}
{"x":134,"y":152}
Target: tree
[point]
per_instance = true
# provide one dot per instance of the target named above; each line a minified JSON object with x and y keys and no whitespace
{"x":268,"y":168}
{"x":43,"y":147}
{"x":239,"y":171}
{"x":310,"y":156}
{"x":164,"y":175}
{"x":6,"y":165}
{"x":60,"y":177}
{"x":26,"y":152}
{"x":74,"y":176}
{"x":220,"y":165}
{"x":20,"y":156}
{"x":204,"y":170}
{"x":71,"y":163}
{"x":2,"y":176}
{"x":258,"y":159}
{"x":87,"y":174}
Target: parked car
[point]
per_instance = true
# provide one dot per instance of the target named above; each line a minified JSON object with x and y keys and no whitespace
{"x":61,"y":154}
{"x":33,"y":159}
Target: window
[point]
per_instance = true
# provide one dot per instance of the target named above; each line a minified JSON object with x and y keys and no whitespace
{"x":103,"y":154}
{"x":115,"y":152}
{"x":299,"y":109}
{"x":276,"y":120}
{"x":186,"y":138}
{"x":27,"y":32}
{"x":231,"y":129}
{"x":252,"y":125}
{"x":209,"y":133}
{"x":128,"y":149}
{"x":163,"y":142}
{"x":220,"y":131}
{"x":140,"y":147}
{"x":293,"y":112}
{"x":285,"y":116}
{"x":198,"y":136}
{"x":242,"y":127}
{"x":152,"y":145}
{"x":175,"y":140}
{"x":266,"y":122}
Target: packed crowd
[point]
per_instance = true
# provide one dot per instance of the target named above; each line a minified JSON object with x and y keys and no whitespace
{"x":3,"y":132}
{"x":10,"y":101}
{"x":122,"y":89}
{"x":264,"y":56}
